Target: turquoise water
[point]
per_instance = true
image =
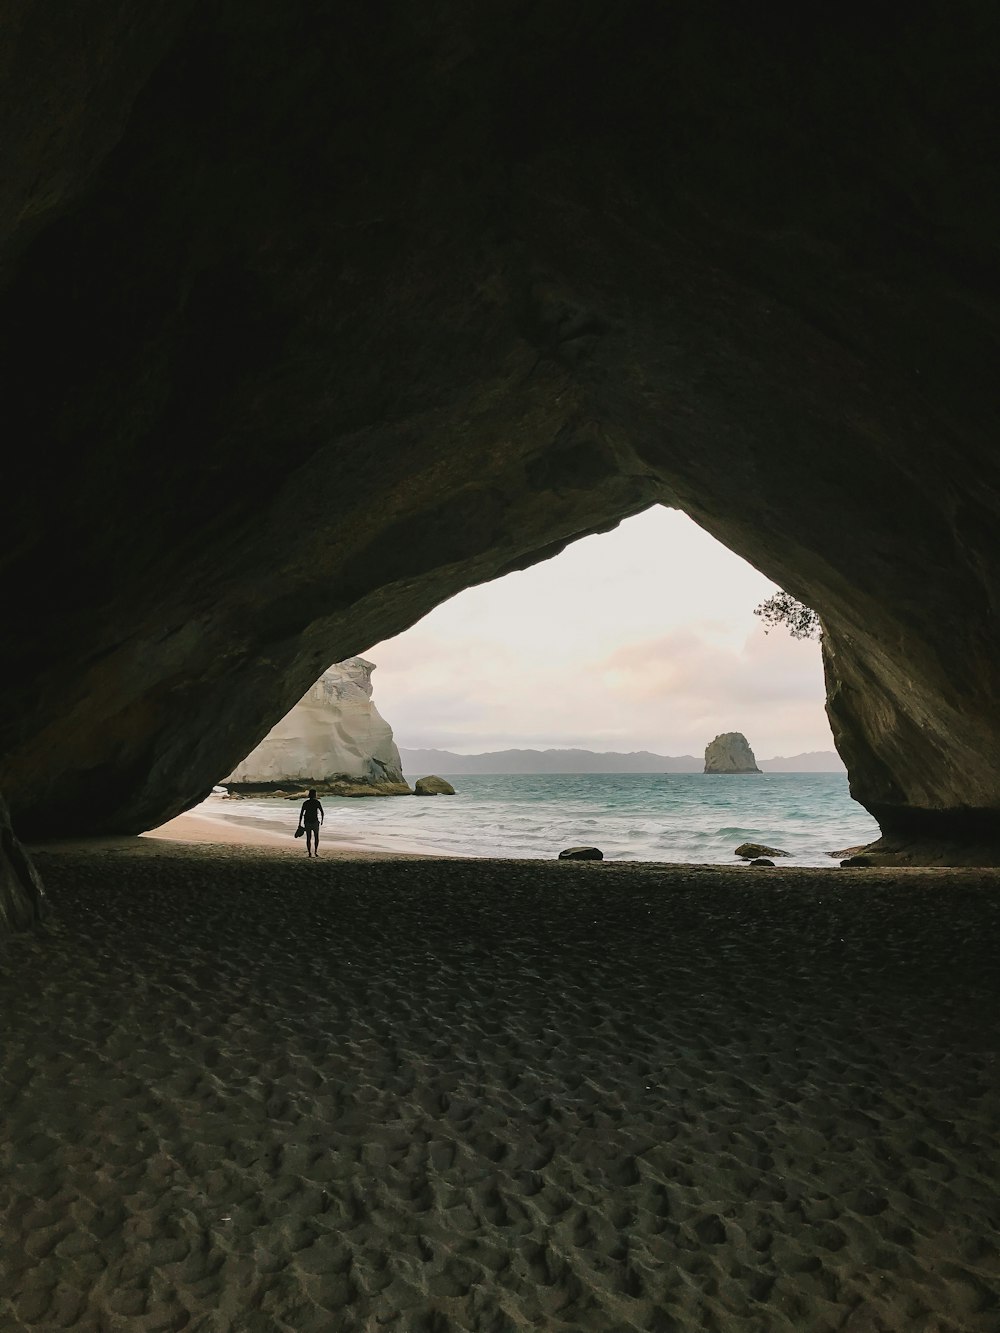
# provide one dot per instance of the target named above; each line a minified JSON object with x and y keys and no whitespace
{"x":692,"y":817}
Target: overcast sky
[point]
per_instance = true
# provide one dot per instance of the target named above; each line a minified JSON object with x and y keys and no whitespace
{"x":639,"y":639}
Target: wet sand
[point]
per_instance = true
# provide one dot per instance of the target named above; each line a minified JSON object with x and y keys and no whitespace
{"x":247,"y":1091}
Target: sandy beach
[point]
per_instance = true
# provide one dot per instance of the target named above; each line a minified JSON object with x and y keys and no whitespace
{"x":222,"y":829}
{"x":230,"y":828}
{"x":247,"y":1091}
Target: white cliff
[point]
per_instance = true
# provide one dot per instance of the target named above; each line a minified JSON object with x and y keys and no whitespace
{"x":730,"y":753}
{"x":333,"y":736}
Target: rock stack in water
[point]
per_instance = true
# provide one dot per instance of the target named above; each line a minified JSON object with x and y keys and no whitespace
{"x":730,"y":753}
{"x":334,"y":739}
{"x":433,"y":786}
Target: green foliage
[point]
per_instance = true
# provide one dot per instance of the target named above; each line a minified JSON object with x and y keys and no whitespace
{"x":802,"y":622}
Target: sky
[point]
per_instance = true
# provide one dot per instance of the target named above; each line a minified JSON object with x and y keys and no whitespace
{"x":643,"y":638}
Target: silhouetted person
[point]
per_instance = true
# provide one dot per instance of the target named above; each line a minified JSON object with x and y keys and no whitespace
{"x":310,"y":817}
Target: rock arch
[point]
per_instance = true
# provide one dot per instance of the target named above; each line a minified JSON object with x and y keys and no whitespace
{"x":314,"y":314}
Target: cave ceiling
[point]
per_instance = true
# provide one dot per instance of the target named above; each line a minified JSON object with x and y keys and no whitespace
{"x":315,"y":314}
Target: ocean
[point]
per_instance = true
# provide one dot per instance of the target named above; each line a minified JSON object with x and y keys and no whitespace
{"x":678,"y":817}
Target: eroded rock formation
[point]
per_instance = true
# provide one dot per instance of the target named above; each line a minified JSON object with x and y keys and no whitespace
{"x":22,"y":895}
{"x":333,"y":733}
{"x":328,"y":312}
{"x":730,"y":753}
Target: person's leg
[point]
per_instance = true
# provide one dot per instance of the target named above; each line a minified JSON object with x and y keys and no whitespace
{"x":316,"y":836}
{"x":309,"y":837}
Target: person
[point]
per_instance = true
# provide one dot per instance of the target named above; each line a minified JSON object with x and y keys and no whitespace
{"x":311,"y":816}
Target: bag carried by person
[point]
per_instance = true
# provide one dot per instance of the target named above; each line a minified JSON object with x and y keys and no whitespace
{"x":299,"y":831}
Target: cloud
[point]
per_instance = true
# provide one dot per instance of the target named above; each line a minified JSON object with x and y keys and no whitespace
{"x":671,"y":694}
{"x":688,"y":666}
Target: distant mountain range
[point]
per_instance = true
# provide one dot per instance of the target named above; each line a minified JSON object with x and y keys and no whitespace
{"x":420,"y":762}
{"x":813,"y":761}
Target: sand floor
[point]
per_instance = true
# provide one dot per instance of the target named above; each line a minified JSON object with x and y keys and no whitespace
{"x":229,"y":828}
{"x":246,"y":1091}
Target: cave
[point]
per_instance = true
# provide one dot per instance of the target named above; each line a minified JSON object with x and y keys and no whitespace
{"x":315,"y":314}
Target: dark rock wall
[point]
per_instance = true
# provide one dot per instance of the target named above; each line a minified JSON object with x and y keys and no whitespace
{"x":321,"y":313}
{"x":23,"y":903}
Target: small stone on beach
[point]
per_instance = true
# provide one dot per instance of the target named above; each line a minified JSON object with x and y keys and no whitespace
{"x":581,"y":854}
{"x":748,"y":850}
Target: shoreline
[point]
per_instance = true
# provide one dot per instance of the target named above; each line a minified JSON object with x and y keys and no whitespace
{"x":197,"y":828}
{"x":627,"y":816}
{"x":233,"y":828}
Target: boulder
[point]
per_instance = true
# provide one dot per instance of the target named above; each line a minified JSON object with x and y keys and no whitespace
{"x":581,"y":854}
{"x":761,"y":861}
{"x":751,"y":849}
{"x":730,"y":753}
{"x":432,"y":786}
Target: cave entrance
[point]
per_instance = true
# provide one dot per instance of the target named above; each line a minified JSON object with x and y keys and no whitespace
{"x":642,"y":638}
{"x":558,"y":700}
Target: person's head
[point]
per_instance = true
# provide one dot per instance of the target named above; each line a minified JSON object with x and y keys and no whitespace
{"x":312,"y":793}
